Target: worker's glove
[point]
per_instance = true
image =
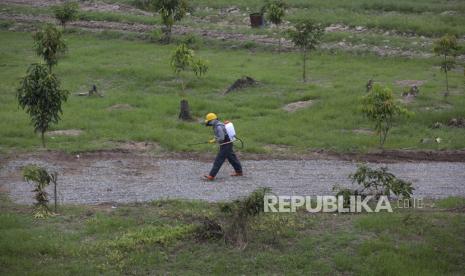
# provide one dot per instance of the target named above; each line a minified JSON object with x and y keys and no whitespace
{"x":212,"y":141}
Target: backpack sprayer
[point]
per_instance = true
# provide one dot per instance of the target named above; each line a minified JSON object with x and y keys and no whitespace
{"x":230,"y":131}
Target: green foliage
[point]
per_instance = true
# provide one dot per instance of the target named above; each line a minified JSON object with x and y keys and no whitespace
{"x":346,"y":193}
{"x":41,"y":96}
{"x":66,"y":12}
{"x":306,"y":35}
{"x":408,"y":241}
{"x":447,"y":48}
{"x":170,"y":11}
{"x":49,"y":44}
{"x":275,"y":11}
{"x":149,"y":236}
{"x":42,"y":179}
{"x":451,"y":202}
{"x":380,"y":182}
{"x":183,"y":59}
{"x":119,"y":249}
{"x":129,"y":79}
{"x":200,"y":67}
{"x":380,"y":107}
{"x":192,"y":41}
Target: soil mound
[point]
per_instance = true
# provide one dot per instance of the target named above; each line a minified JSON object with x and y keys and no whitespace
{"x":241,"y":83}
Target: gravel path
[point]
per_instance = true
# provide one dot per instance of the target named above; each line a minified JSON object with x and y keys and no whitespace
{"x":123,"y":178}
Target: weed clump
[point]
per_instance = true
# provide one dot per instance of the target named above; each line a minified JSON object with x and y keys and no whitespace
{"x":238,"y":215}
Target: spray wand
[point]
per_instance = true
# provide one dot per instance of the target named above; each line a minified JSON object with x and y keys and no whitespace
{"x":236,"y":139}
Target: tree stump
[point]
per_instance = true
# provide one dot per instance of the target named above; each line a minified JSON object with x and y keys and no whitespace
{"x":185,"y":113}
{"x":369,"y":85}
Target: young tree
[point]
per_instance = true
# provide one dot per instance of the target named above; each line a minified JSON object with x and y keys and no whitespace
{"x":42,"y":179}
{"x":380,"y":107}
{"x":170,"y":11}
{"x":41,"y":96}
{"x":446,"y":47}
{"x":306,"y":35}
{"x":66,"y":12}
{"x":275,"y":11}
{"x":182,"y":60}
{"x":49,"y":44}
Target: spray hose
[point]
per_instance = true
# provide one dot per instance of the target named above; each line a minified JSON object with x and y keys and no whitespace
{"x":237,"y":139}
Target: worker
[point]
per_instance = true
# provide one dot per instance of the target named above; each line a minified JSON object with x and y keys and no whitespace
{"x":226,"y":148}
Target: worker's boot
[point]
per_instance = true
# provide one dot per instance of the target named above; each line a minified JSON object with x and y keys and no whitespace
{"x":209,"y":177}
{"x":237,"y":174}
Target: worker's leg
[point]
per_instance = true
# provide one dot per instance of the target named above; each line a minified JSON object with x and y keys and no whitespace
{"x":234,"y":161}
{"x":219,"y":160}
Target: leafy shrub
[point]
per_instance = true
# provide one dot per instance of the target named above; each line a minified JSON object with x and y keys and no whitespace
{"x":42,"y":179}
{"x":380,"y":107}
{"x":306,"y":35}
{"x":381,"y":182}
{"x":41,"y":96}
{"x":375,"y":182}
{"x":66,"y":12}
{"x":49,"y":44}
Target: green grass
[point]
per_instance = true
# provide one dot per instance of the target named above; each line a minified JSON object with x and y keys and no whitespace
{"x":426,"y":18}
{"x":430,"y":18}
{"x":452,"y":202}
{"x":138,"y":73}
{"x":157,"y":238}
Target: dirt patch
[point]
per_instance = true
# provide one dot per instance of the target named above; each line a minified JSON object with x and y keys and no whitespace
{"x":65,"y":132}
{"x":241,"y":83}
{"x":120,"y":107}
{"x":363,"y":131}
{"x":34,"y":3}
{"x":390,"y":156}
{"x":407,"y":99}
{"x":293,"y":107}
{"x":3,"y":189}
{"x":438,"y":107}
{"x":136,"y":146}
{"x":105,"y":7}
{"x":410,"y":82}
{"x":274,"y":148}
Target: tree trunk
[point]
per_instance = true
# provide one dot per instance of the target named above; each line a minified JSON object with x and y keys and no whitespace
{"x":447,"y":80}
{"x":185,"y":113}
{"x":304,"y":75}
{"x":42,"y":135}
{"x":279,"y":49}
{"x":167,"y":34}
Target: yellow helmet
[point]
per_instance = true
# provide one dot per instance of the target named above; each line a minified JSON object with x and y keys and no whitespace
{"x":210,"y":116}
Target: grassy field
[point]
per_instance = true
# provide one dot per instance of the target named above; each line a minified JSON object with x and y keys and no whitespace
{"x":157,"y":237}
{"x":138,"y":73}
{"x":428,"y":17}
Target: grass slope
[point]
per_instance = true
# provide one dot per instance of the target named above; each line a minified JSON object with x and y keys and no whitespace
{"x":156,"y":238}
{"x":138,"y":73}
